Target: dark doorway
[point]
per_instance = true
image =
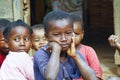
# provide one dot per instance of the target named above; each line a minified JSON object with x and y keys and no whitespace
{"x":39,"y":8}
{"x":98,"y":20}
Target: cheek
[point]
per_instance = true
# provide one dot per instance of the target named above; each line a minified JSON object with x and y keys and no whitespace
{"x":52,"y":38}
{"x":78,"y":39}
{"x":28,"y":44}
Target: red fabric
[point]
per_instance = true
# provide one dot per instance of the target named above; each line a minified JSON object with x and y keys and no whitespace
{"x":92,"y":59}
{"x":2,"y":57}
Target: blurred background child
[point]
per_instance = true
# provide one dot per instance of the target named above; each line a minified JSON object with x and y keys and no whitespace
{"x":17,"y":65}
{"x":88,"y":52}
{"x":3,"y":47}
{"x":38,"y":36}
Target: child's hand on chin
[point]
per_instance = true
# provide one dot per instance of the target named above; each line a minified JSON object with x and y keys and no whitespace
{"x":53,"y":46}
{"x":71,"y":50}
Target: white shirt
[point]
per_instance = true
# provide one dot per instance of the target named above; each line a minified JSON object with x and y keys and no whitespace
{"x":17,"y":66}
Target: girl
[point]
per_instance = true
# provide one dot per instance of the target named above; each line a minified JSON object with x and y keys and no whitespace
{"x":18,"y":64}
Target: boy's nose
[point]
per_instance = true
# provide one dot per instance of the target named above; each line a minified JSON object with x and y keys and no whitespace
{"x":22,"y":42}
{"x":63,"y":38}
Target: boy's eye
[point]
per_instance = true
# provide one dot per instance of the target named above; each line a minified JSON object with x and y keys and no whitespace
{"x":16,"y":39}
{"x":76,"y":34}
{"x":26,"y":39}
{"x":56,"y":34}
{"x":69,"y":33}
{"x":36,"y":40}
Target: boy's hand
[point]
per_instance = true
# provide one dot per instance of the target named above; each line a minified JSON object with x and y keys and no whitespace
{"x":113,"y":41}
{"x":72,"y":51}
{"x":53,"y":46}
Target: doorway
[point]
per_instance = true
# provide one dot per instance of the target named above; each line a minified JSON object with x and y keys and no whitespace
{"x":39,"y":8}
{"x":98,"y":20}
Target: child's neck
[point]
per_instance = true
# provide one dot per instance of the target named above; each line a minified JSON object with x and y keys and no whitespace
{"x":63,"y":56}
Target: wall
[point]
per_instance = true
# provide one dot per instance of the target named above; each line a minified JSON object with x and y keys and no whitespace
{"x":99,"y":21}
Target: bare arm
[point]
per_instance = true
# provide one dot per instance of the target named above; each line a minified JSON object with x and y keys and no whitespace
{"x":52,"y":68}
{"x":85,"y":70}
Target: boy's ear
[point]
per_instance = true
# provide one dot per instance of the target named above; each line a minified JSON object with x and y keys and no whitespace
{"x":82,"y":36}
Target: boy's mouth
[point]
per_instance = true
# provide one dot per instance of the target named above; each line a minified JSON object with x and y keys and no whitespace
{"x":22,"y":50}
{"x":64,"y":45}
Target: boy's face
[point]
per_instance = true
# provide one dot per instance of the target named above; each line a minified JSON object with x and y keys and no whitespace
{"x":38,"y":38}
{"x":19,"y":40}
{"x":60,"y":31}
{"x":79,"y":33}
{"x":3,"y":45}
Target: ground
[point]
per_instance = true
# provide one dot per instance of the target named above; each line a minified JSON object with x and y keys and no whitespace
{"x":106,"y":56}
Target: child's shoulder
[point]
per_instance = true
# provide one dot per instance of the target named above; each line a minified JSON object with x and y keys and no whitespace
{"x":18,"y":55}
{"x":86,"y":46}
{"x":41,"y":52}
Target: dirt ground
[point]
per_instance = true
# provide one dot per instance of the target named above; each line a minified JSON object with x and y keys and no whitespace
{"x":106,"y":56}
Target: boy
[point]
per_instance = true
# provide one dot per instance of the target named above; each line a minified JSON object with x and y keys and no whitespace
{"x":38,"y":36}
{"x":58,"y":60}
{"x":3,"y":47}
{"x":17,"y":64}
{"x":88,"y":52}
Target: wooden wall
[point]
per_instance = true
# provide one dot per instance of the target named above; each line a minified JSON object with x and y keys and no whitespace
{"x":6,"y":9}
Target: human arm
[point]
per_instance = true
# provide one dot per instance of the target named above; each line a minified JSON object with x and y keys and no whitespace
{"x":52,"y":68}
{"x":113,"y":41}
{"x":85,"y":70}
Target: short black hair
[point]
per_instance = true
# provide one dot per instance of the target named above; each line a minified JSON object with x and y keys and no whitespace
{"x":55,"y":15}
{"x":3,"y":24}
{"x":37,"y":26}
{"x":15,"y":24}
{"x":77,"y":18}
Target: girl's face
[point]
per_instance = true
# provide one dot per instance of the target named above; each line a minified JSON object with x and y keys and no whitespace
{"x":60,"y":31}
{"x":3,"y":45}
{"x":38,"y":38}
{"x":79,"y":33}
{"x":19,"y":39}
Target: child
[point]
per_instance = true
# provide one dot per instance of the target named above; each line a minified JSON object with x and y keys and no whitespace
{"x":3,"y":47}
{"x":38,"y":37}
{"x":18,"y":64}
{"x":58,"y":60}
{"x":88,"y":52}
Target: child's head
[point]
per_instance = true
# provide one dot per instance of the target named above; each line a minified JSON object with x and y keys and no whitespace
{"x":78,"y":29}
{"x":58,"y":28}
{"x":3,"y":46}
{"x":38,"y":36}
{"x":18,"y":36}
